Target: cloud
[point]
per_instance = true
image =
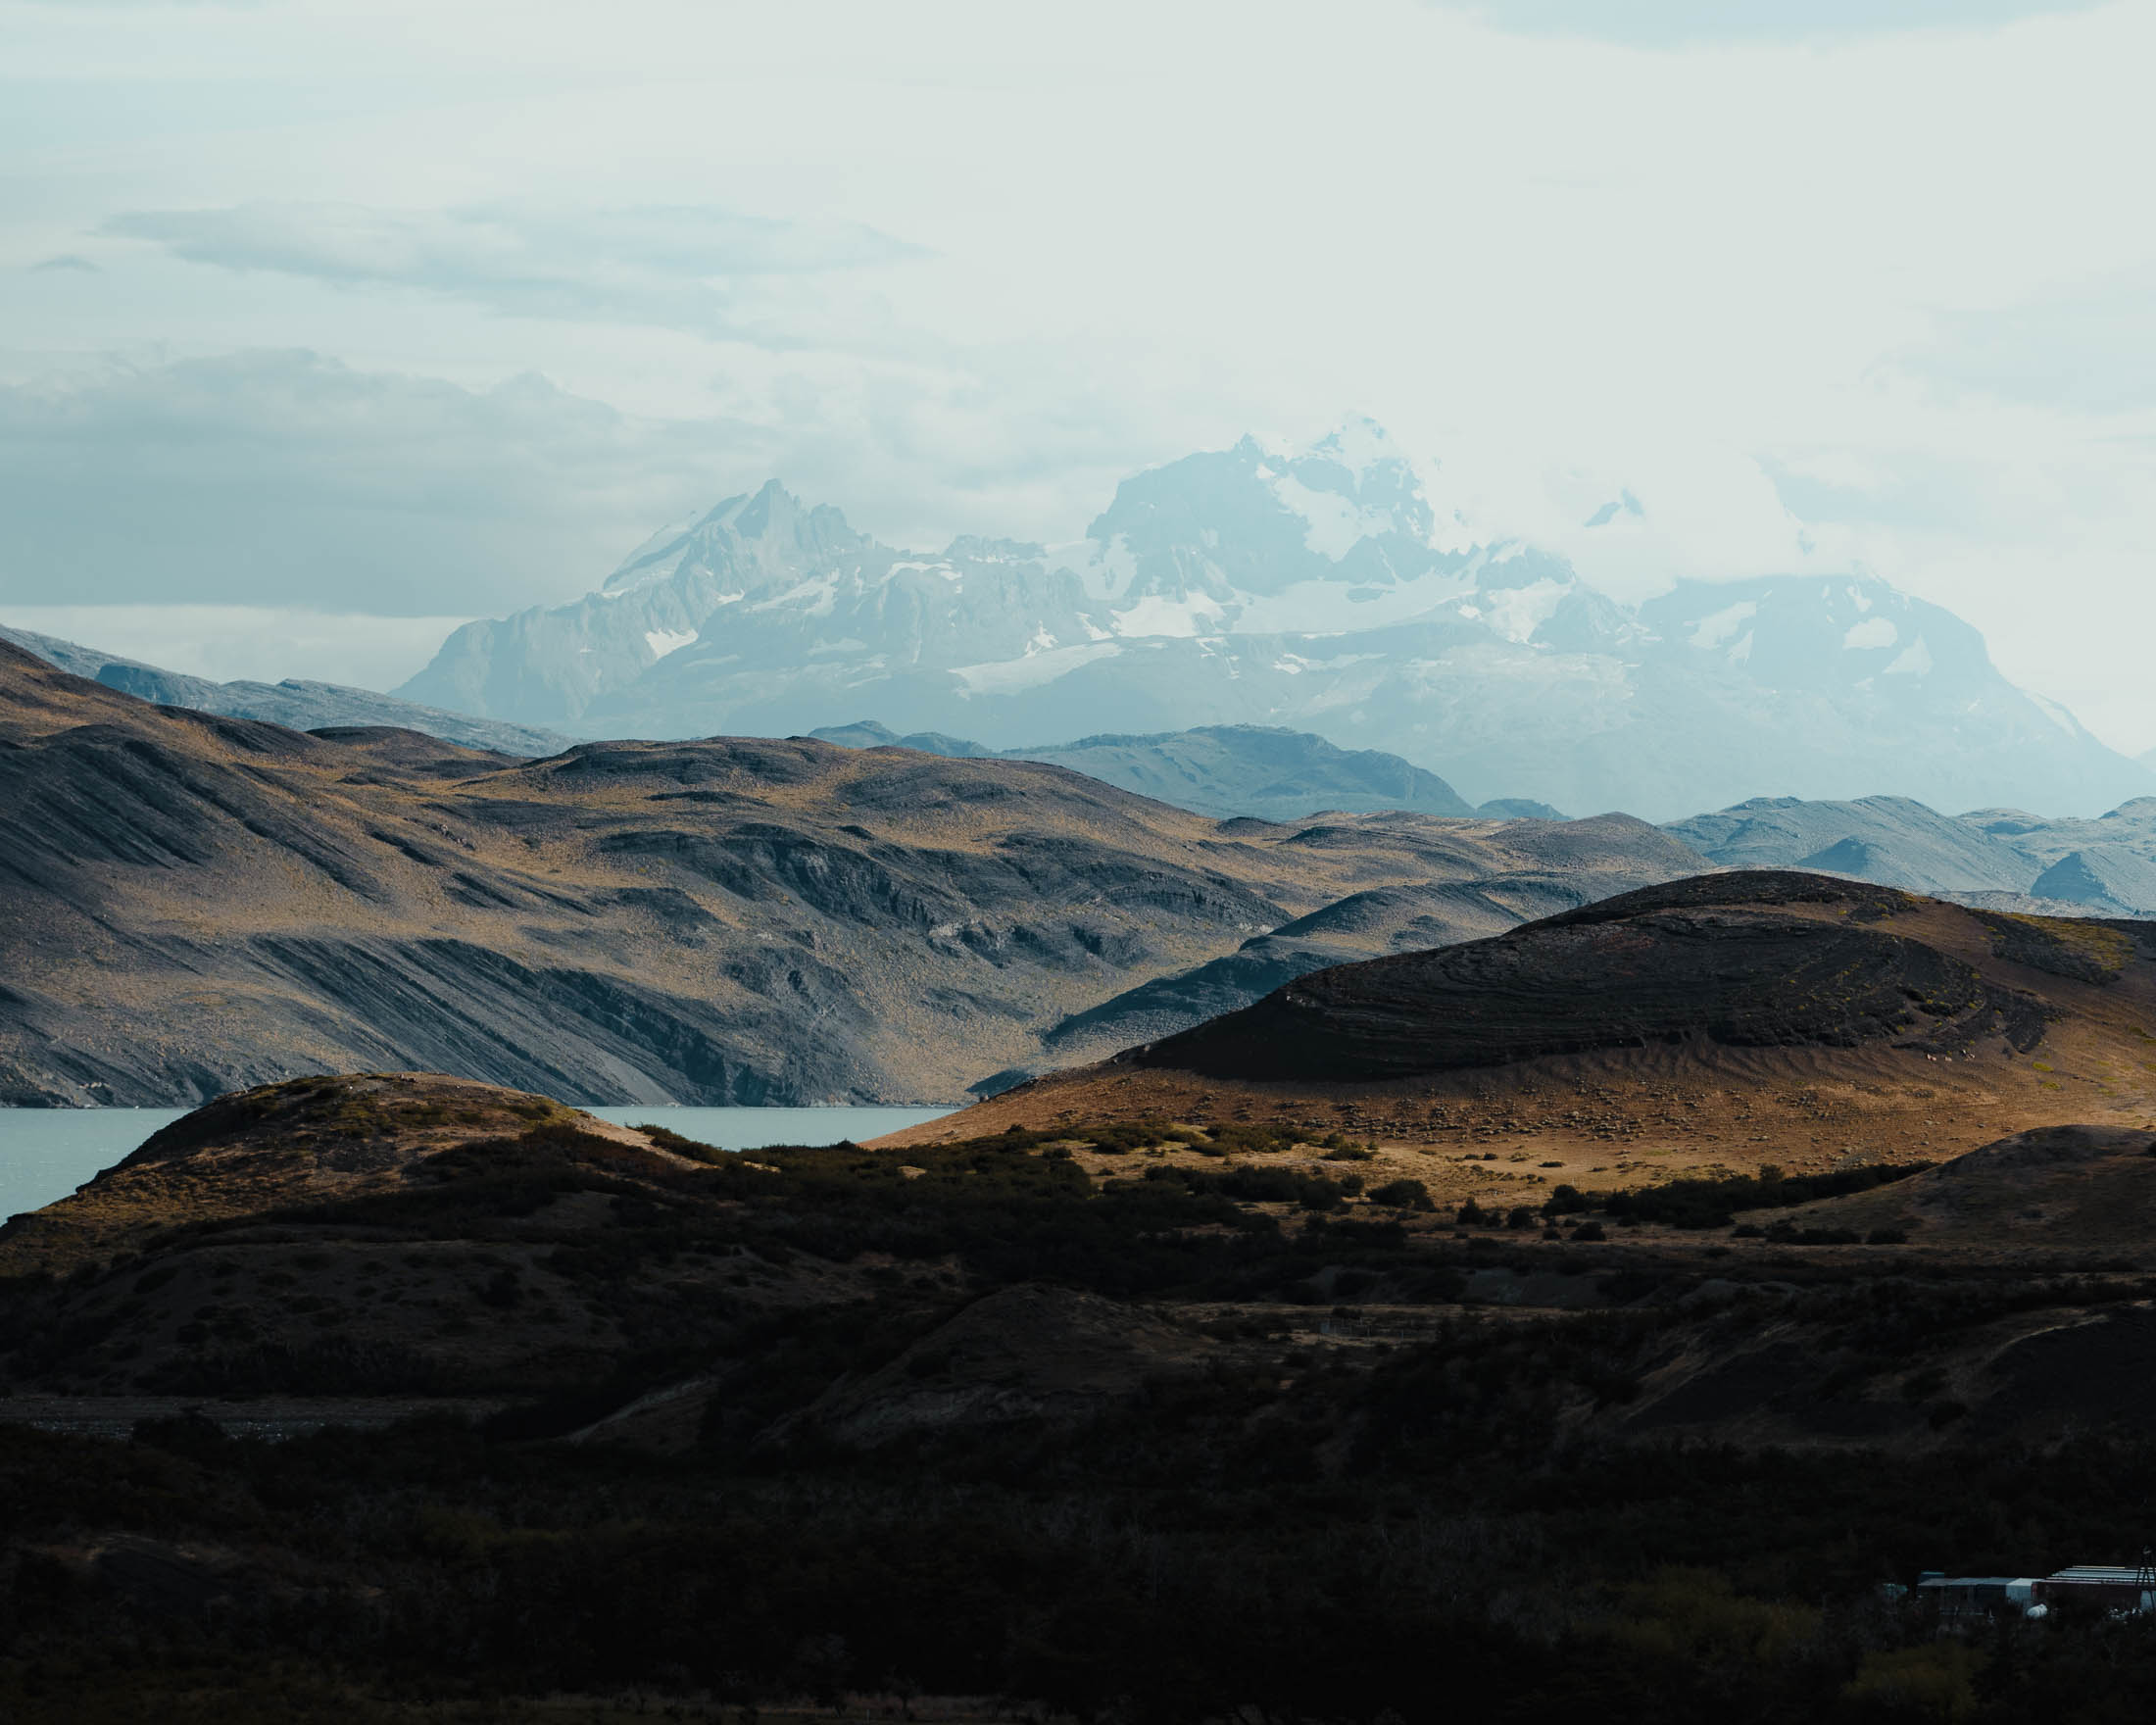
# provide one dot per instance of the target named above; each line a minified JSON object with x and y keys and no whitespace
{"x":284,"y":478}
{"x":262,"y":644}
{"x":690,"y":267}
{"x":1664,"y":24}
{"x":2091,"y":348}
{"x":69,"y":260}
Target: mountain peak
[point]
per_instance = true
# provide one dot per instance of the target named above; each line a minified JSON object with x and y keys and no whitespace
{"x":1312,"y":586}
{"x":1357,"y":443}
{"x":771,"y":514}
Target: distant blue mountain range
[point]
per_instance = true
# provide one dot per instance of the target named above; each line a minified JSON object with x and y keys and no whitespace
{"x":1320,"y":591}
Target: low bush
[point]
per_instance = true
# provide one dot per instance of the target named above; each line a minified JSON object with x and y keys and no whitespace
{"x":1402,"y":1193}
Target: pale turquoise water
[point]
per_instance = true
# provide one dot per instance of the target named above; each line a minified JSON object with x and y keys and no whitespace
{"x":752,"y":1128}
{"x":45,"y":1153}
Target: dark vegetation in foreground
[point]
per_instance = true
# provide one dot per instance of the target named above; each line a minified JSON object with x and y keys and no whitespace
{"x":1160,"y":1566}
{"x":1453,"y":1523}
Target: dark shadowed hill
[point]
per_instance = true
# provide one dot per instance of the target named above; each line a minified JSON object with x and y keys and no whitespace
{"x":1556,"y":862}
{"x":1118,"y":1411}
{"x":198,"y":902}
{"x":1726,"y":1020}
{"x":1744,"y":961}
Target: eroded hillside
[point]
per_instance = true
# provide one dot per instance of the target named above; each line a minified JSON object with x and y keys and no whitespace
{"x":198,"y":902}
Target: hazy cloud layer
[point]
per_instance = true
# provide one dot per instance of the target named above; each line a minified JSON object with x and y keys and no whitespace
{"x":2091,"y":348}
{"x":253,"y":643}
{"x":1657,"y":23}
{"x":682,"y":267}
{"x":282,"y":479}
{"x":262,"y":478}
{"x":1899,"y":273}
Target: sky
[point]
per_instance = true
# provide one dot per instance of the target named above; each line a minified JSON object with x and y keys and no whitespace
{"x":324,"y":324}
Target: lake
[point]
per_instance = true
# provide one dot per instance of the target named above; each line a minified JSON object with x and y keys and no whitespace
{"x":45,"y":1153}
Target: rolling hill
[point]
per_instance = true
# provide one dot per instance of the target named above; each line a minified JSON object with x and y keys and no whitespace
{"x":198,"y":902}
{"x":1711,"y":1023}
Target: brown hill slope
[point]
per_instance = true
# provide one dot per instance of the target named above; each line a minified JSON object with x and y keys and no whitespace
{"x":2034,"y":1195}
{"x":357,"y":1249}
{"x":307,"y":1141}
{"x":1722,"y":1022}
{"x":196,"y":903}
{"x":385,"y":1233}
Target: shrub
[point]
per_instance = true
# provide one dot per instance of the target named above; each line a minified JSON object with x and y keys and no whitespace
{"x":1788,"y":1234}
{"x":1402,"y":1193}
{"x":1932,"y":1681}
{"x":1714,"y":1204}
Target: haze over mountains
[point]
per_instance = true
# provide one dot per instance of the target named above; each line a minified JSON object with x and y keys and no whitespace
{"x":1267,"y":771}
{"x":294,"y":703}
{"x":1321,"y":591}
{"x":2106,"y":867}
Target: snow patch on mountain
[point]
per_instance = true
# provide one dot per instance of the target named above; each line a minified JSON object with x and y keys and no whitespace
{"x":1518,"y":612}
{"x":1717,"y":627}
{"x":1157,"y":614}
{"x":1314,"y":606}
{"x":1337,"y":523}
{"x":1009,"y":675}
{"x":2058,"y":715}
{"x":1318,"y":589}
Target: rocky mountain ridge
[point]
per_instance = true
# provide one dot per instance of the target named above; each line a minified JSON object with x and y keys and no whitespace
{"x":1322,"y":591}
{"x":2005,"y":857}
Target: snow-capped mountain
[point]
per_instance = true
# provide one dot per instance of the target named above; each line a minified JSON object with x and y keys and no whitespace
{"x":1322,"y":590}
